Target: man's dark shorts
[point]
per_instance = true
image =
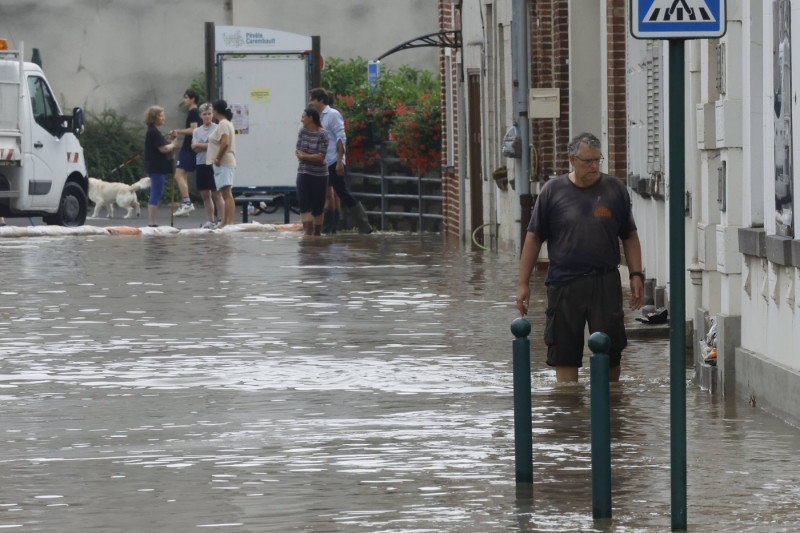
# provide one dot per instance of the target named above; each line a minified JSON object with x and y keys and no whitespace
{"x":205,"y":178}
{"x":593,"y":299}
{"x":187,"y":160}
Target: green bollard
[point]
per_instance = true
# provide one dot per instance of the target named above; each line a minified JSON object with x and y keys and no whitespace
{"x":600,"y":343}
{"x":523,"y":436}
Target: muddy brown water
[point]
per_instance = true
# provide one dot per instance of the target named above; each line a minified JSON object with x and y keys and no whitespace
{"x":266,"y":382}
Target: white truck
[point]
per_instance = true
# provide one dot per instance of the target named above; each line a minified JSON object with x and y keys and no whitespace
{"x":42,"y":168}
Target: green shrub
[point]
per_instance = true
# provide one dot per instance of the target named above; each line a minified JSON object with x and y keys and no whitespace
{"x":405,"y":84}
{"x":110,"y":139}
{"x":198,"y":85}
{"x":370,"y":113}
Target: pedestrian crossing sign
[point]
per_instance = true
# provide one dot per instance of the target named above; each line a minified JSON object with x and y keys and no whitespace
{"x":678,"y":19}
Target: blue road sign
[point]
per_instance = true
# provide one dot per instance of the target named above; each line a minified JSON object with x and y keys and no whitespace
{"x":373,"y":68}
{"x":678,"y":19}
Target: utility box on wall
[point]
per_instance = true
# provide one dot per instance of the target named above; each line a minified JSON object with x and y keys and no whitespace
{"x":706,"y":122}
{"x":545,"y":103}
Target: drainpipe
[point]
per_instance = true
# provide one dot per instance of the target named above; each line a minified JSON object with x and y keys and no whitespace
{"x":211,"y":61}
{"x":520,"y":51}
{"x":462,"y":165}
{"x":695,"y":294}
{"x":462,"y":136}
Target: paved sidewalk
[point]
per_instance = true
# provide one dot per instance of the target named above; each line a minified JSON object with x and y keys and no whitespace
{"x":194,"y":220}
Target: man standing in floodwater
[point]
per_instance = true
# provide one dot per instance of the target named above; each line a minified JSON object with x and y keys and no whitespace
{"x":333,"y":123}
{"x":582,"y":216}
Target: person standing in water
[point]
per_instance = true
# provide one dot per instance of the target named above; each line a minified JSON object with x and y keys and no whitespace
{"x":157,"y":158}
{"x":222,"y":153}
{"x":204,"y":172}
{"x":312,"y":172}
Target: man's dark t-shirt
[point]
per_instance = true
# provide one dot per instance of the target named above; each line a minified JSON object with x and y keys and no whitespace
{"x":154,"y":161}
{"x":193,"y":116}
{"x":581,"y":226}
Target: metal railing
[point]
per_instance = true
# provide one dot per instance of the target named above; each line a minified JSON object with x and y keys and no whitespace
{"x":386,"y":195}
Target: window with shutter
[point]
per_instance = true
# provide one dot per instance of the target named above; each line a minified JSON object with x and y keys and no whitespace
{"x":655,"y":148}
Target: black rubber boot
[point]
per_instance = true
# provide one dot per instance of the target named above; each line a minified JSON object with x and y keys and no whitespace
{"x":329,"y":223}
{"x":361,"y":219}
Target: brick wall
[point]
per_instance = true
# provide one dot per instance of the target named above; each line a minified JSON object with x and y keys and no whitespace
{"x":449,"y":20}
{"x":617,"y":25}
{"x":549,"y":38}
{"x":549,"y":67}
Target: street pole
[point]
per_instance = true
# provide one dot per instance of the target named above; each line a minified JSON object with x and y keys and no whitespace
{"x":677,"y":284}
{"x":520,"y":53}
{"x":316,"y":70}
{"x":210,"y":60}
{"x":652,"y":21}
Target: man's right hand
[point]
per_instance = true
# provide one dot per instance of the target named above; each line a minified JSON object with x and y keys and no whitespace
{"x":527,"y":261}
{"x":523,"y":298}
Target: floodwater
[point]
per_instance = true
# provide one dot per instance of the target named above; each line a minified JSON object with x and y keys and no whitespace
{"x":266,"y":382}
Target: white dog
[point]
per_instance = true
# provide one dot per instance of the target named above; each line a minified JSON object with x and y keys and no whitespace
{"x":106,"y":194}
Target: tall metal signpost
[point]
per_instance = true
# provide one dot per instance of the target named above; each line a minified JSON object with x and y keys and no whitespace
{"x":677,"y":21}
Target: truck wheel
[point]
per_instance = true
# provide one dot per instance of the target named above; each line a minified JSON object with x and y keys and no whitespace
{"x":72,"y":208}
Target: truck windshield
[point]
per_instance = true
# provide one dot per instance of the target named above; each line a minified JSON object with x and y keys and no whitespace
{"x":43,"y":105}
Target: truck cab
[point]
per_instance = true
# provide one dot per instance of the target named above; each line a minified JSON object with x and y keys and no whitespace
{"x":42,"y":167}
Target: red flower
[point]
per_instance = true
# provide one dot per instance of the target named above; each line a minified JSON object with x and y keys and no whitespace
{"x":416,"y":130}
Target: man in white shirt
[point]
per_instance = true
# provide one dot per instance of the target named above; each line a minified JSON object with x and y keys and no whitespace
{"x":333,"y":123}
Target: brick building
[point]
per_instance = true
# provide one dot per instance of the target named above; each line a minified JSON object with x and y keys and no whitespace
{"x":742,"y":267}
{"x":576,"y":48}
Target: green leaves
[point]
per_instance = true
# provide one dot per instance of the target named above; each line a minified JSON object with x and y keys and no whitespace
{"x":406,"y":84}
{"x":110,"y":139}
{"x":198,"y":85}
{"x":402,"y":107}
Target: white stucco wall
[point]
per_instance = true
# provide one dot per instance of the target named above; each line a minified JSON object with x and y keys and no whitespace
{"x":129,"y":54}
{"x":501,"y":206}
{"x":351,"y":28}
{"x":769,"y":293}
{"x":732,"y":125}
{"x":486,"y":33}
{"x":588,"y":99}
{"x":649,"y":211}
{"x":762,"y":291}
{"x":121,"y":55}
{"x":507,"y":203}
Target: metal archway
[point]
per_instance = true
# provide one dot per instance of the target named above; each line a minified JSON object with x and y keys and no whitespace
{"x":442,"y":39}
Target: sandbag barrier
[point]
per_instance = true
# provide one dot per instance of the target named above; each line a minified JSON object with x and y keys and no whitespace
{"x":56,"y":231}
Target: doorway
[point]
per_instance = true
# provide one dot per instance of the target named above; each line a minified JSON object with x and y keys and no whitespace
{"x":475,"y":161}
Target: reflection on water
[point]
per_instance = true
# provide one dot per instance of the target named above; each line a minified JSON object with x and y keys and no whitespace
{"x":253,"y":382}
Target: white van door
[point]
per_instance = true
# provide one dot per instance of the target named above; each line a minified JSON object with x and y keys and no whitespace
{"x":45,"y":183}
